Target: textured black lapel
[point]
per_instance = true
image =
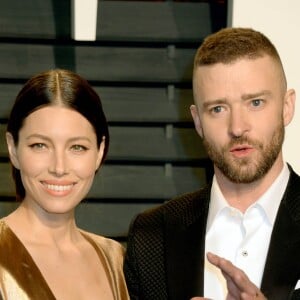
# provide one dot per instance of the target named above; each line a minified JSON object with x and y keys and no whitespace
{"x":282,"y":269}
{"x":185,"y":245}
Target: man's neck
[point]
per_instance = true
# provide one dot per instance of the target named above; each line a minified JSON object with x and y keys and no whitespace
{"x":243,"y":195}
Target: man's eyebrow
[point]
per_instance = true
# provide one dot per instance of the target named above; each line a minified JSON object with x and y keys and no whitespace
{"x":256,"y":95}
{"x":208,"y":103}
{"x":220,"y":101}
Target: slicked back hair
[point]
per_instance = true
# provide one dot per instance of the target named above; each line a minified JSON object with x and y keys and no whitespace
{"x":62,"y":88}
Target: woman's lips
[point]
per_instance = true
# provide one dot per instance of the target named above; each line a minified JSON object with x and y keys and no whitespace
{"x":60,"y":189}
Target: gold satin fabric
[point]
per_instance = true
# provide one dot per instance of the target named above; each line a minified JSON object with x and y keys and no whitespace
{"x":20,"y":278}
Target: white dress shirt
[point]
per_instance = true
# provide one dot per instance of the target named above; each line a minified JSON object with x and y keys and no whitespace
{"x":241,"y":238}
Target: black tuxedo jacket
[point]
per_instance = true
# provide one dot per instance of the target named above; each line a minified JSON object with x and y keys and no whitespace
{"x":165,"y":251}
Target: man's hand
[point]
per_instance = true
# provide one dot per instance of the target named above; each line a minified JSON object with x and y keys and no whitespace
{"x":238,"y":284}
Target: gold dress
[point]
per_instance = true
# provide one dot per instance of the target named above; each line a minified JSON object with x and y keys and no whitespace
{"x":21,"y":279}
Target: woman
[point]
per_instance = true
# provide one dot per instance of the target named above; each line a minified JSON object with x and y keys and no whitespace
{"x":57,"y":137}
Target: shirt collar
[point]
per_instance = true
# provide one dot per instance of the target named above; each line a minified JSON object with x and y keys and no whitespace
{"x":270,"y":207}
{"x":271,"y":199}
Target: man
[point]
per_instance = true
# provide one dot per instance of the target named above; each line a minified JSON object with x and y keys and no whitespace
{"x":250,"y":212}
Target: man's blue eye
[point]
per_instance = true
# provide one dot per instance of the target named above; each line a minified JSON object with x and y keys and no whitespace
{"x":256,"y":102}
{"x":217,"y":109}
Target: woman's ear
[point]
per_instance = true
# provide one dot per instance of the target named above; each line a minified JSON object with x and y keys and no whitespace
{"x":12,"y":150}
{"x":196,"y":118}
{"x":100,"y":153}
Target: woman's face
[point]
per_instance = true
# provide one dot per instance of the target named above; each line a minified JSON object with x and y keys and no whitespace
{"x":57,"y":156}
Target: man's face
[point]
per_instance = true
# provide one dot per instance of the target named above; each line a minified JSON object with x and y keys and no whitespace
{"x":240,"y":113}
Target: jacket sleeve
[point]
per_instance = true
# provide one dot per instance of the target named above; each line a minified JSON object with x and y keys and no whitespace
{"x":130,"y":265}
{"x":144,"y":265}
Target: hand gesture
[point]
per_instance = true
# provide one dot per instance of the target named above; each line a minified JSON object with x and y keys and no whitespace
{"x":239,"y":285}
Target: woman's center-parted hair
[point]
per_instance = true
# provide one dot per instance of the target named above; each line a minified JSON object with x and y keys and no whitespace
{"x":57,"y":87}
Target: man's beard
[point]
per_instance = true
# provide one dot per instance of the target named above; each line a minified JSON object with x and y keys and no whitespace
{"x":245,"y":169}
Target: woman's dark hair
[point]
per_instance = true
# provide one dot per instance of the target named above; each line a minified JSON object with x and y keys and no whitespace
{"x":56,"y":87}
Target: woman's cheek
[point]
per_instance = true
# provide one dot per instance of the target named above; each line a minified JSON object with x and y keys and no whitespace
{"x":84,"y":168}
{"x":33,"y":166}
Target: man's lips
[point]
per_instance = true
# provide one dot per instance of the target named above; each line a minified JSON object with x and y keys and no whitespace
{"x":241,"y":150}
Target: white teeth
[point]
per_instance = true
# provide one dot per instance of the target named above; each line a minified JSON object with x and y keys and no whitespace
{"x":58,"y":188}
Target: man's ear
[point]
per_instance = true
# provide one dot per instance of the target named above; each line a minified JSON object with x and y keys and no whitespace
{"x":289,"y":106}
{"x":196,"y":118}
{"x":12,"y":150}
{"x":100,"y":153}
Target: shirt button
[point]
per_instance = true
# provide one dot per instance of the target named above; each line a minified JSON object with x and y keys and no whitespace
{"x":245,"y":253}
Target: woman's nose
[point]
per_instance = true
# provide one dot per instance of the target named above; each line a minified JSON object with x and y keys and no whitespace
{"x":58,"y":166}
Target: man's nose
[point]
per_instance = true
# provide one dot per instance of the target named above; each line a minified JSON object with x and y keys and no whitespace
{"x":238,"y":123}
